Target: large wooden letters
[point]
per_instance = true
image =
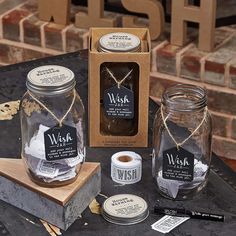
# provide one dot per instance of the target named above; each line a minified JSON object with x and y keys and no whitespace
{"x":52,"y":9}
{"x":182,"y":12}
{"x":152,"y":8}
{"x":204,"y":15}
{"x":95,"y":16}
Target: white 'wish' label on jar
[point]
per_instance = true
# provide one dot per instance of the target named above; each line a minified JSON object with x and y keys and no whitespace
{"x":60,"y":143}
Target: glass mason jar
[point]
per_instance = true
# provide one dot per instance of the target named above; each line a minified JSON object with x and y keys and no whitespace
{"x":182,"y":142}
{"x":52,"y":126}
{"x":119,"y":86}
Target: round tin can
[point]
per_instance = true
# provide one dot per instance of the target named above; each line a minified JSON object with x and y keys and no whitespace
{"x":125,"y":209}
{"x":119,"y":42}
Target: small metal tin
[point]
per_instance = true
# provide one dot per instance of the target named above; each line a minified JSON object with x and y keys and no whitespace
{"x":119,"y":42}
{"x":125,"y":209}
{"x":50,"y":80}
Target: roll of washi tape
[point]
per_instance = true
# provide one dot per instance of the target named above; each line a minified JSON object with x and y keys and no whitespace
{"x":126,"y":167}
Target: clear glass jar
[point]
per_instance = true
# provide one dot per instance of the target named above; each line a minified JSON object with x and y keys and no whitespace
{"x":52,"y":126}
{"x":119,"y":86}
{"x":182,"y":142}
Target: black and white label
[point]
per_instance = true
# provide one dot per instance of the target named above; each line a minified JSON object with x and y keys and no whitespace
{"x":50,"y":75}
{"x":60,"y":143}
{"x":168,"y":223}
{"x":125,"y":206}
{"x":119,"y":41}
{"x":178,"y":164}
{"x":119,"y":102}
{"x":46,"y":169}
{"x":126,"y":175}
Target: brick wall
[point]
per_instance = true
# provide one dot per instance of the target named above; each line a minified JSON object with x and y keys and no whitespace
{"x":24,"y":37}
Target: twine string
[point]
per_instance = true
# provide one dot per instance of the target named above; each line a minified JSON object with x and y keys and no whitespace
{"x":178,"y":145}
{"x":60,"y":121}
{"x":114,"y":78}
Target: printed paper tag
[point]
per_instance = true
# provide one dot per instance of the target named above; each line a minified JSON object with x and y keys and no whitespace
{"x":119,"y":102}
{"x":60,"y":143}
{"x":76,"y":160}
{"x":169,"y":187}
{"x":46,"y":169}
{"x":178,"y":164}
{"x":168,"y":223}
{"x":68,"y":175}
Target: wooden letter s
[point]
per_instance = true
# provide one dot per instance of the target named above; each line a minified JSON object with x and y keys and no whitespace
{"x":95,"y":16}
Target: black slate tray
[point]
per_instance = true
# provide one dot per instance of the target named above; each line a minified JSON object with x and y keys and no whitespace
{"x":219,"y":195}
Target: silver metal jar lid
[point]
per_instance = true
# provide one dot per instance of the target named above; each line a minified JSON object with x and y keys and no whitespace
{"x":50,"y":80}
{"x":119,"y":42}
{"x":125,"y":209}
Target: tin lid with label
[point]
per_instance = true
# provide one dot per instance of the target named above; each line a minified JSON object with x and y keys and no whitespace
{"x":119,"y":42}
{"x":50,"y":80}
{"x":125,"y":209}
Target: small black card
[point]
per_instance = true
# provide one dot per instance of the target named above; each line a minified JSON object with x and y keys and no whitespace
{"x":119,"y":102}
{"x":60,"y":143}
{"x":178,"y":164}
